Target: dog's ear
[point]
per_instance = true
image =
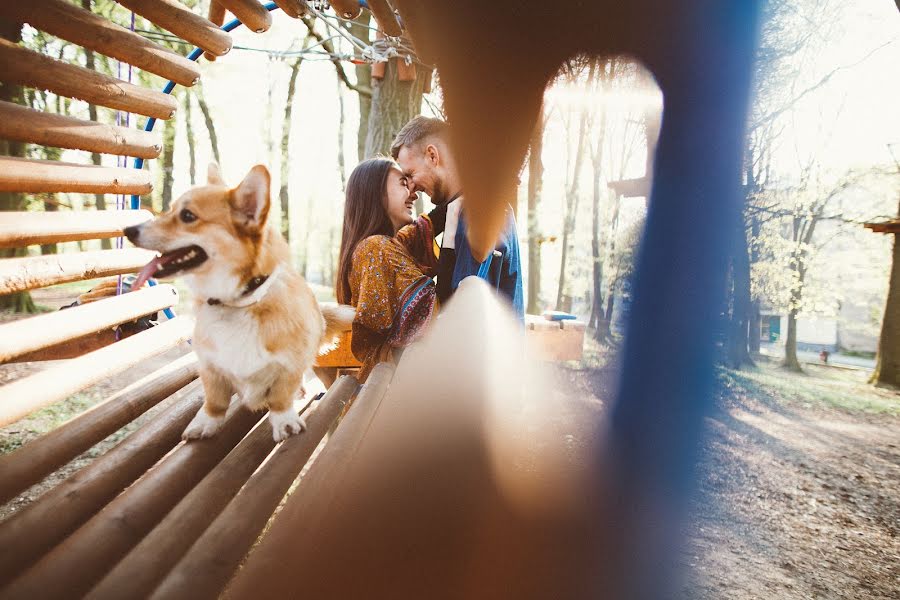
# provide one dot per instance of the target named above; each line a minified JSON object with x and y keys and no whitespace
{"x":213,"y":175}
{"x":250,"y":200}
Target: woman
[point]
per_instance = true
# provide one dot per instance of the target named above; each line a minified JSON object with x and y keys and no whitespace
{"x":387,"y":260}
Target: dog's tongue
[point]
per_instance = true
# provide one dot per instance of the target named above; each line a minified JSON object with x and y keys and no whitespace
{"x":149,"y":271}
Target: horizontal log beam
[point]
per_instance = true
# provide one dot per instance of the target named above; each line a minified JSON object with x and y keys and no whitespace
{"x":35,"y":529}
{"x":217,"y":17}
{"x":177,"y":18}
{"x":346,"y":9}
{"x":24,"y":396}
{"x":40,"y":457}
{"x":249,"y":12}
{"x":28,"y":335}
{"x":19,"y":229}
{"x":32,"y":69}
{"x":292,"y":8}
{"x":384,"y":15}
{"x":47,"y":129}
{"x":30,"y":272}
{"x":48,"y":176}
{"x":88,"y":30}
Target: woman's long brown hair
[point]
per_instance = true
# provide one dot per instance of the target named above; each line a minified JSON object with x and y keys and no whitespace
{"x":365,"y":214}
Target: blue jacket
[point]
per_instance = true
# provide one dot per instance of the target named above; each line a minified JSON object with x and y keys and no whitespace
{"x":505,"y":273}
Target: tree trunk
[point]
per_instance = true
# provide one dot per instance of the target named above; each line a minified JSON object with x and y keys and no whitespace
{"x":738,"y":325}
{"x":283,"y":197}
{"x":189,"y":131}
{"x":596,"y":258}
{"x":342,"y":164}
{"x":604,"y":330}
{"x":394,"y":103}
{"x":359,"y":28}
{"x":535,"y":236}
{"x":755,"y":314}
{"x":167,"y":163}
{"x":50,"y":206}
{"x":564,"y":300}
{"x":754,"y":325}
{"x":20,"y":302}
{"x":790,"y":345}
{"x":887,"y":369}
{"x":596,"y":255}
{"x":210,"y":126}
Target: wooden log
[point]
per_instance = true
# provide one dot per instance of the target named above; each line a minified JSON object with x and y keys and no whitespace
{"x":92,"y":31}
{"x":73,"y":567}
{"x":32,"y":69}
{"x":19,"y":229}
{"x":384,"y":15}
{"x":28,"y":335}
{"x":292,"y":8}
{"x":70,"y":348}
{"x":38,"y":176}
{"x":30,"y":272}
{"x":40,"y":457}
{"x":209,"y":564}
{"x":175,"y":17}
{"x":249,"y":12}
{"x":24,"y":396}
{"x":217,"y":17}
{"x":28,"y":125}
{"x":346,"y":9}
{"x":314,"y":493}
{"x":170,"y":540}
{"x":29,"y":533}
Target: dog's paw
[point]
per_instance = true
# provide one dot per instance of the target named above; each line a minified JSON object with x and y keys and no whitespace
{"x":285,"y":424}
{"x":202,"y":426}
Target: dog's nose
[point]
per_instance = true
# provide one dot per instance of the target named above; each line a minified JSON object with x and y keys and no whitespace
{"x":132,"y":232}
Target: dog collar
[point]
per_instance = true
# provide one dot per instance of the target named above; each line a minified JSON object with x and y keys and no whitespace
{"x":255,"y":290}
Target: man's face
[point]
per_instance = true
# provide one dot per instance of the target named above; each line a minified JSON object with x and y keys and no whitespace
{"x":423,"y":173}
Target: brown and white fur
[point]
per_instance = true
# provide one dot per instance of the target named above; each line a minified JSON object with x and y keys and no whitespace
{"x":255,"y":342}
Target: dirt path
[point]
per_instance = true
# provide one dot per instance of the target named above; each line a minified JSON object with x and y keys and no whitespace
{"x":796,"y":500}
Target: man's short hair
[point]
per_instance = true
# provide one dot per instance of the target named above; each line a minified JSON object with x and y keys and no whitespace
{"x":416,"y":131}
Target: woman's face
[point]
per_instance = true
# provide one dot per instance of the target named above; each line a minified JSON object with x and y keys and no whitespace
{"x":399,"y":199}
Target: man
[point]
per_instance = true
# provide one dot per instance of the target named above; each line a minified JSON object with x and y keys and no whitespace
{"x":422,"y":150}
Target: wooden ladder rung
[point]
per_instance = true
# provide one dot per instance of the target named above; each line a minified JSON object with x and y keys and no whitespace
{"x":32,"y":69}
{"x":175,"y":17}
{"x":24,"y":396}
{"x":43,"y":176}
{"x":47,"y":129}
{"x":40,"y":457}
{"x":89,"y":30}
{"x":31,"y":532}
{"x":30,"y":272}
{"x":19,"y":229}
{"x":27,"y":335}
{"x":249,"y":12}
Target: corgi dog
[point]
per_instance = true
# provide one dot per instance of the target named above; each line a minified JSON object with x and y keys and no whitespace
{"x":258,"y":324}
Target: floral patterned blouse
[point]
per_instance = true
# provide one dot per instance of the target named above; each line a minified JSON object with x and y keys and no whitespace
{"x":392,"y":288}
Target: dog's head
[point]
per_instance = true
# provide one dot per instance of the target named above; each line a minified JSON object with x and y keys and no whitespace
{"x":212,"y":233}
